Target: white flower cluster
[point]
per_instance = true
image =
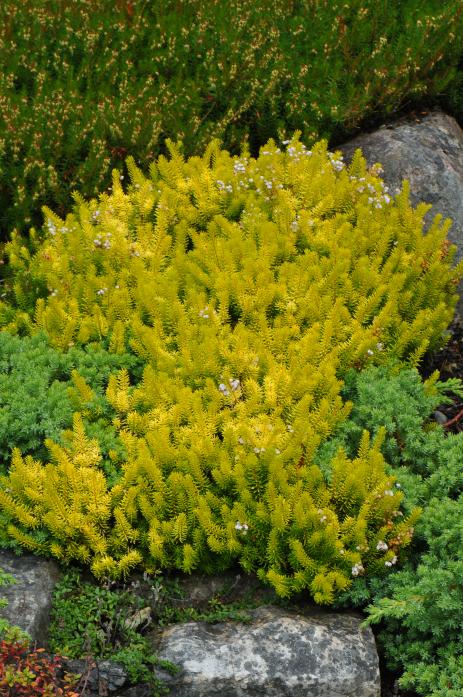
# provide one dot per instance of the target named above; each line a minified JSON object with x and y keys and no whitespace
{"x":51,"y":227}
{"x":377,"y":199}
{"x":239,"y":167}
{"x":391,"y":562}
{"x":234,"y":385}
{"x":382,"y":546}
{"x":241,"y":527}
{"x":357,"y":570}
{"x":379,"y":347}
{"x":338,"y":163}
{"x":224,"y":187}
{"x":296,"y":153}
{"x":103,"y":242}
{"x":102,"y":291}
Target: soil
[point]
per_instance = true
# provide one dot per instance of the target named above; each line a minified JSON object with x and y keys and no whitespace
{"x":449,"y":362}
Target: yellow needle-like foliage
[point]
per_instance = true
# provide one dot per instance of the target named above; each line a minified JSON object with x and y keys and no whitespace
{"x":248,"y":287}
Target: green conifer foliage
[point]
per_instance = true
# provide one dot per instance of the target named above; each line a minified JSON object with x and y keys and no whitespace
{"x":248,"y":287}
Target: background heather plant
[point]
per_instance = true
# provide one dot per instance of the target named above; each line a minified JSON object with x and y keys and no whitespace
{"x":182,"y":69}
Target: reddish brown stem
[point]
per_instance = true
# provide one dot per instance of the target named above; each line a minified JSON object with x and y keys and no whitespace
{"x":454,"y":420}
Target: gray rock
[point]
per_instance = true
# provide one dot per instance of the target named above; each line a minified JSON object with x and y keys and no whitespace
{"x":429,"y":153}
{"x":29,"y":598}
{"x":105,"y":676}
{"x":280,"y":654}
{"x":440,"y":417}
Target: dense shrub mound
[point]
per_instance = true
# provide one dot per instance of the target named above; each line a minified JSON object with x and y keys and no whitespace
{"x":192,"y":69}
{"x":248,"y":287}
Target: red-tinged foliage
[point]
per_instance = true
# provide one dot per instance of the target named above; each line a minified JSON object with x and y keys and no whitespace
{"x":25,"y":673}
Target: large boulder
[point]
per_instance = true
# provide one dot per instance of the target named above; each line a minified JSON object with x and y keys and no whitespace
{"x":306,"y":651}
{"x":277,"y":654}
{"x":29,"y":598}
{"x":429,"y":153}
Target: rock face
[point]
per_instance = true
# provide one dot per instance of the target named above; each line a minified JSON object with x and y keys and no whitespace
{"x":29,"y":598}
{"x":429,"y":153}
{"x":278,"y":654}
{"x":311,"y":652}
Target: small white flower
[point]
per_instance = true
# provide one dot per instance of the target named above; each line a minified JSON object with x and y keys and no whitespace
{"x":234,"y":383}
{"x":286,"y":142}
{"x":223,"y":389}
{"x":241,"y":440}
{"x":379,"y":346}
{"x":370,"y":352}
{"x":382,"y":546}
{"x":242,"y":527}
{"x":337,"y":165}
{"x":388,"y":492}
{"x":277,"y":451}
{"x":398,"y":485}
{"x":357,"y":569}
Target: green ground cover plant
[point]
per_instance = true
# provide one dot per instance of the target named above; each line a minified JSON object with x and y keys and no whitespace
{"x":104,"y":623}
{"x":182,"y":69}
{"x":248,"y":287}
{"x":38,"y":395}
{"x":418,"y":606}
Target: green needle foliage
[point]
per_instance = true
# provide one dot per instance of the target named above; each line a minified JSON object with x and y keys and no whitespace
{"x":420,"y":605}
{"x":38,"y":395}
